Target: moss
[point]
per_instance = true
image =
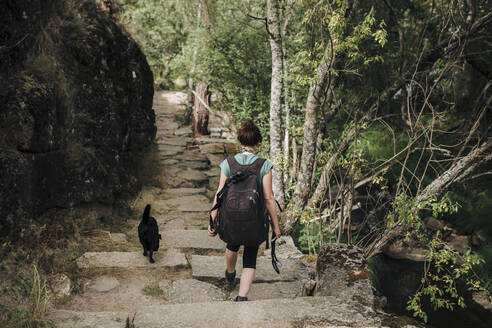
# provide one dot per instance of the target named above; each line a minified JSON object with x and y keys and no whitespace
{"x":153,"y":290}
{"x":398,"y":322}
{"x":310,"y":258}
{"x":354,"y":275}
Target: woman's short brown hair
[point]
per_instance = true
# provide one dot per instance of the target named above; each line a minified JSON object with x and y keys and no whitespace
{"x":249,"y":134}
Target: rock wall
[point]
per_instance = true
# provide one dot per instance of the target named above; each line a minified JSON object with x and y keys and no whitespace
{"x":75,"y":107}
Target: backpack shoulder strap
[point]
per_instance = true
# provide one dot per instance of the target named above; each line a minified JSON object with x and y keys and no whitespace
{"x":233,"y":165}
{"x":257,"y":165}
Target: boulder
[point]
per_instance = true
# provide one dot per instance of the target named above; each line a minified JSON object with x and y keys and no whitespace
{"x":459,"y":243}
{"x":434,"y":224}
{"x":478,"y":238}
{"x":405,"y":250}
{"x":341,"y":271}
{"x":285,"y":249}
{"x":59,"y":285}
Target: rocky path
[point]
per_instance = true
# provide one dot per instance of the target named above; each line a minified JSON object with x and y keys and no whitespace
{"x":185,"y":287}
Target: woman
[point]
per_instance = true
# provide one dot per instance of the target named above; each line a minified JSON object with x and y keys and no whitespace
{"x":249,"y":137}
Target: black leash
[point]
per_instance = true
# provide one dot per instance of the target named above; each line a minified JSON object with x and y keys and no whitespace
{"x":276,"y":263}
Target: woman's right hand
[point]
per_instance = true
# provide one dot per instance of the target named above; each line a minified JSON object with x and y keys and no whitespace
{"x":211,"y":233}
{"x":276,"y":231}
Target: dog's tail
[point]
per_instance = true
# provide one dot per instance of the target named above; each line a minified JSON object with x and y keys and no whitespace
{"x":146,"y":213}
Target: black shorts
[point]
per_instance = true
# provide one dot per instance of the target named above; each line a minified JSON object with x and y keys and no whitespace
{"x":249,"y":255}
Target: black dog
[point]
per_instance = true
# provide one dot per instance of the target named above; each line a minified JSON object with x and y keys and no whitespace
{"x":148,"y":233}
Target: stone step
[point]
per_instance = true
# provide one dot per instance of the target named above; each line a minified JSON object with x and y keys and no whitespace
{"x":189,"y":178}
{"x":192,"y":156}
{"x":184,"y":165}
{"x":165,"y":139}
{"x":184,"y":132}
{"x":169,"y":153}
{"x":208,"y":140}
{"x":195,"y":239}
{"x":213,"y":172}
{"x":168,"y":259}
{"x":215,"y":159}
{"x":76,"y":319}
{"x":266,"y":291}
{"x":212,"y":267}
{"x":194,"y":165}
{"x":190,"y":291}
{"x":164,"y":147}
{"x":314,"y":312}
{"x":167,"y":125}
{"x":175,"y":220}
{"x":190,"y":203}
{"x":212,"y":148}
{"x":179,"y":192}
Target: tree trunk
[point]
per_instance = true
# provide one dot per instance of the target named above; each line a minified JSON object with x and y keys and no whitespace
{"x":189,"y":104}
{"x":293,"y":173}
{"x":287,"y":124}
{"x":200,"y":114}
{"x":313,"y":103}
{"x":457,"y":172}
{"x":276,"y":94}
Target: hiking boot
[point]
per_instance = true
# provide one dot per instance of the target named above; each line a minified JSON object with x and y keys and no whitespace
{"x":241,"y":298}
{"x":230,"y":277}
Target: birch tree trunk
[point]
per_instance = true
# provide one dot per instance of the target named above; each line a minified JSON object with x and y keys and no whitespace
{"x":189,"y":104}
{"x":202,"y":96}
{"x":200,"y":114}
{"x":276,"y":94}
{"x":316,"y":93}
{"x":293,"y":173}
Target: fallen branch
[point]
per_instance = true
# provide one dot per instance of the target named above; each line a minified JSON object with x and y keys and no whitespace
{"x":456,"y":173}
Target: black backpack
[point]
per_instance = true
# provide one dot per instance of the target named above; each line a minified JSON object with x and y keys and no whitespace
{"x":242,"y":215}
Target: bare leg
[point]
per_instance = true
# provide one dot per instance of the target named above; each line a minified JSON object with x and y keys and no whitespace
{"x":247,"y":277}
{"x":231,"y":259}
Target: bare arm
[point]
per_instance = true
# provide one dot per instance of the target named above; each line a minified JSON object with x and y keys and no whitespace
{"x":222,"y":181}
{"x":270,"y":203}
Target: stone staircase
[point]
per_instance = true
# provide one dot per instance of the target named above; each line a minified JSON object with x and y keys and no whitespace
{"x":186,"y":287}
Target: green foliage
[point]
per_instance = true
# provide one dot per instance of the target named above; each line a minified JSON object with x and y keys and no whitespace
{"x":161,"y":30}
{"x":34,"y":314}
{"x":444,"y":269}
{"x":309,"y":239}
{"x":375,"y":265}
{"x":484,"y":269}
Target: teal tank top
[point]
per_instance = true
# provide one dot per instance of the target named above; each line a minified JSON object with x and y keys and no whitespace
{"x":246,"y":159}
